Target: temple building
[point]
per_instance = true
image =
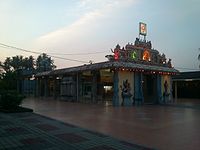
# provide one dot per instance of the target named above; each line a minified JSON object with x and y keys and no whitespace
{"x":133,"y":74}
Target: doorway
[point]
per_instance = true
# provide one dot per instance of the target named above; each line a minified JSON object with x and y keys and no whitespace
{"x":149,"y":88}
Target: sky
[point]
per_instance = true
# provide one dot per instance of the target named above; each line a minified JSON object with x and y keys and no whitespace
{"x":90,"y":28}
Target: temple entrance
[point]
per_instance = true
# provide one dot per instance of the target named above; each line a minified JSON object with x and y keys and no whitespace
{"x":97,"y":86}
{"x":105,"y":87}
{"x":149,"y":88}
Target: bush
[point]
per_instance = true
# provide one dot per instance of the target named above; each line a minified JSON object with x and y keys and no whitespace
{"x":10,"y":99}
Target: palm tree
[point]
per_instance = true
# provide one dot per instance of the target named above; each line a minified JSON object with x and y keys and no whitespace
{"x":28,"y":63}
{"x":17,"y":62}
{"x":44,"y":63}
{"x":7,"y":65}
{"x":1,"y":70}
{"x":31,"y":63}
{"x":14,"y":69}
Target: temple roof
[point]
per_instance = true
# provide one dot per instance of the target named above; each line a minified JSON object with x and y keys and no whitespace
{"x":109,"y":65}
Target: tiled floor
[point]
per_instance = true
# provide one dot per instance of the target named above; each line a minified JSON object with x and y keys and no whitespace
{"x":31,"y":131}
{"x":159,"y":127}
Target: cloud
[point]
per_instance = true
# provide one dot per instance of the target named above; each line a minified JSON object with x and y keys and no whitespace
{"x":88,"y":33}
{"x":97,"y":11}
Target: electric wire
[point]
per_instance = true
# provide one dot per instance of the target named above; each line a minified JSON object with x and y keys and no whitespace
{"x":79,"y":53}
{"x":34,"y":52}
{"x":69,"y":59}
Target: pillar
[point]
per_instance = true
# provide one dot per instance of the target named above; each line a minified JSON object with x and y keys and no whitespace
{"x":94,"y":86}
{"x":80,"y":90}
{"x":138,"y":88}
{"x":116,"y":89}
{"x":170,"y":90}
{"x":159,"y":89}
{"x":38,"y":87}
{"x":54,"y":88}
{"x":46,"y":87}
{"x":77,"y":87}
{"x":176,"y":92}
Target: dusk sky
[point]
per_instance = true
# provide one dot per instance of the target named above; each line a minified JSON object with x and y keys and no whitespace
{"x":59,"y":27}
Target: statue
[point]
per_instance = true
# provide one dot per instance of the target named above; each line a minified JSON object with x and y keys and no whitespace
{"x":149,"y":45}
{"x":163,"y":58}
{"x":117,"y":46}
{"x":165,"y":94}
{"x":109,"y":57}
{"x":137,"y":42}
{"x":169,"y":63}
{"x":126,"y":94}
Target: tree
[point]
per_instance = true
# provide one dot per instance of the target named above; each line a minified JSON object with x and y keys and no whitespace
{"x":7,"y":65}
{"x":17,"y":63}
{"x":13,"y":64}
{"x":9,"y":75}
{"x":1,"y":71}
{"x":13,"y":69}
{"x":29,"y":63}
{"x":44,"y":63}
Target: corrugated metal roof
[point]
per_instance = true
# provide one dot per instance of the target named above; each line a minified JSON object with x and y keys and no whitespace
{"x":194,"y":75}
{"x":107,"y":64}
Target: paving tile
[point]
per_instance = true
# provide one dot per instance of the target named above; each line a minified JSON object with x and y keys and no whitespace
{"x":135,"y":146}
{"x":4,"y":123}
{"x":31,"y":131}
{"x":31,"y":120}
{"x":32,"y":141}
{"x":102,"y":147}
{"x":69,"y":125}
{"x":21,"y":115}
{"x":35,"y":143}
{"x":95,"y":133}
{"x":16,"y":131}
{"x":47,"y":127}
{"x":71,"y":137}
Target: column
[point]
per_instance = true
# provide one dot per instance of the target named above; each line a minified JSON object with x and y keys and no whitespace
{"x":176,"y":92}
{"x":36,"y":87}
{"x":94,"y":86}
{"x":46,"y":87}
{"x":54,"y":88}
{"x":159,"y":89}
{"x":80,"y":90}
{"x":77,"y":87}
{"x":116,"y":89}
{"x":170,"y":90}
{"x":138,"y":88}
{"x":39,"y":86}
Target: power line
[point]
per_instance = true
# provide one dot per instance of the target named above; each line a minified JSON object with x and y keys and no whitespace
{"x":78,"y":53}
{"x":24,"y":50}
{"x":34,"y":52}
{"x":97,"y":52}
{"x":58,"y":57}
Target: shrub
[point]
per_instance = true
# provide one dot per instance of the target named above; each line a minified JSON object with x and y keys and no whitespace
{"x":10,"y":99}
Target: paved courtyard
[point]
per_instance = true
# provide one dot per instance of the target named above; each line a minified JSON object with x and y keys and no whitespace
{"x":24,"y":131}
{"x":158,"y":127}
